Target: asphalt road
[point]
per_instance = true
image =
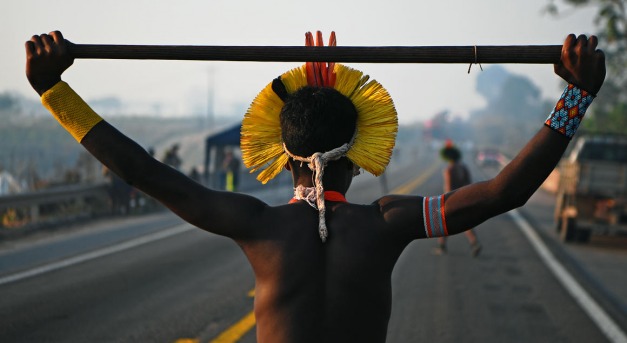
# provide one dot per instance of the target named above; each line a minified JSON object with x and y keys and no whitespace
{"x":156,"y":279}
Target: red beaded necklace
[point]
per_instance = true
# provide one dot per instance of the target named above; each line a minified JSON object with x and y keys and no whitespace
{"x":328,"y":196}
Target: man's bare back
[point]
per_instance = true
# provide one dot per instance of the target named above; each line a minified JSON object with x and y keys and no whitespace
{"x":339,"y":291}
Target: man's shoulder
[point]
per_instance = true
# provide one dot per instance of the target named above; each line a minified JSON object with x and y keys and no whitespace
{"x":393,"y":201}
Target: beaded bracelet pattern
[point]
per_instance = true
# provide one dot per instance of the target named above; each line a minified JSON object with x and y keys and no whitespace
{"x":569,"y":110}
{"x":433,"y":216}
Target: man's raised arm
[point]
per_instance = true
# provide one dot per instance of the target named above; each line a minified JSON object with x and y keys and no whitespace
{"x":583,"y":67}
{"x":229,"y":214}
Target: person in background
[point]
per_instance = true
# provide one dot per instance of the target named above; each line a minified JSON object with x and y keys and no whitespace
{"x":172,"y":157}
{"x":230,"y":170}
{"x":456,"y":175}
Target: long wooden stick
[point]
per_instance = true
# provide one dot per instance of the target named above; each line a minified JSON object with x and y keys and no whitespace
{"x":533,"y":54}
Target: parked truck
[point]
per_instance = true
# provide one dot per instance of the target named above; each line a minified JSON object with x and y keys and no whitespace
{"x":592,"y":191}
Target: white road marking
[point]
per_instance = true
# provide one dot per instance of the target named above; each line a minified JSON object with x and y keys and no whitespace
{"x":95,"y":254}
{"x":605,"y":323}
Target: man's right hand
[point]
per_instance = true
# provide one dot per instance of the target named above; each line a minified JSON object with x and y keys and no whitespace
{"x":47,"y":58}
{"x":582,"y":64}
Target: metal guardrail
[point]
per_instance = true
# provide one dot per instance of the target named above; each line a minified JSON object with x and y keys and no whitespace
{"x":30,"y":209}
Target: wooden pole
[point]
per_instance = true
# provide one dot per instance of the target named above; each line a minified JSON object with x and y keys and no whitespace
{"x":530,"y":54}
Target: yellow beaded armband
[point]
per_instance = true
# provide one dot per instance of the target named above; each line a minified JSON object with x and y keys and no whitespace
{"x":70,"y":110}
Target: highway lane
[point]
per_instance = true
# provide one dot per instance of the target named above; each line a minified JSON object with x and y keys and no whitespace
{"x":196,"y":285}
{"x":156,"y":292}
{"x":41,"y":249}
{"x":597,"y":267}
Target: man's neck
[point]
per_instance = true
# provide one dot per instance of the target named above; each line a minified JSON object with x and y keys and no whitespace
{"x":331,"y":187}
{"x":301,"y":193}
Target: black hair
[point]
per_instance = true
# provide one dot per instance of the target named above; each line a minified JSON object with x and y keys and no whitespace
{"x":450,"y":154}
{"x":317,"y":119}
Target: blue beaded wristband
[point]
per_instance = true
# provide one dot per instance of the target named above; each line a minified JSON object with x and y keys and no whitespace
{"x":569,"y":110}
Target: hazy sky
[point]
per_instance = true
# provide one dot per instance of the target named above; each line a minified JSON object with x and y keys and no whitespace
{"x":181,"y":88}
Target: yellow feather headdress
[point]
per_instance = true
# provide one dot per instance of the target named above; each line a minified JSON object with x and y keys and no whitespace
{"x":377,"y":122}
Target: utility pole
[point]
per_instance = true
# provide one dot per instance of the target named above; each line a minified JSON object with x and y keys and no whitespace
{"x":210,"y":97}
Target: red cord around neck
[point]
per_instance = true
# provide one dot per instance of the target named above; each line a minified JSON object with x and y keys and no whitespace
{"x":328,"y":196}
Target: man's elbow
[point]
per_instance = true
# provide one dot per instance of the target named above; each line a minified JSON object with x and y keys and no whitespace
{"x":512,"y":199}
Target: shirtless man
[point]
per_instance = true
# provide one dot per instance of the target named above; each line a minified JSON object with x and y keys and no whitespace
{"x":308,"y":290}
{"x":456,"y":175}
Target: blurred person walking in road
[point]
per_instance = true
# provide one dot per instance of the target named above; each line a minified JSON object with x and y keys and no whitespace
{"x":456,"y":175}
